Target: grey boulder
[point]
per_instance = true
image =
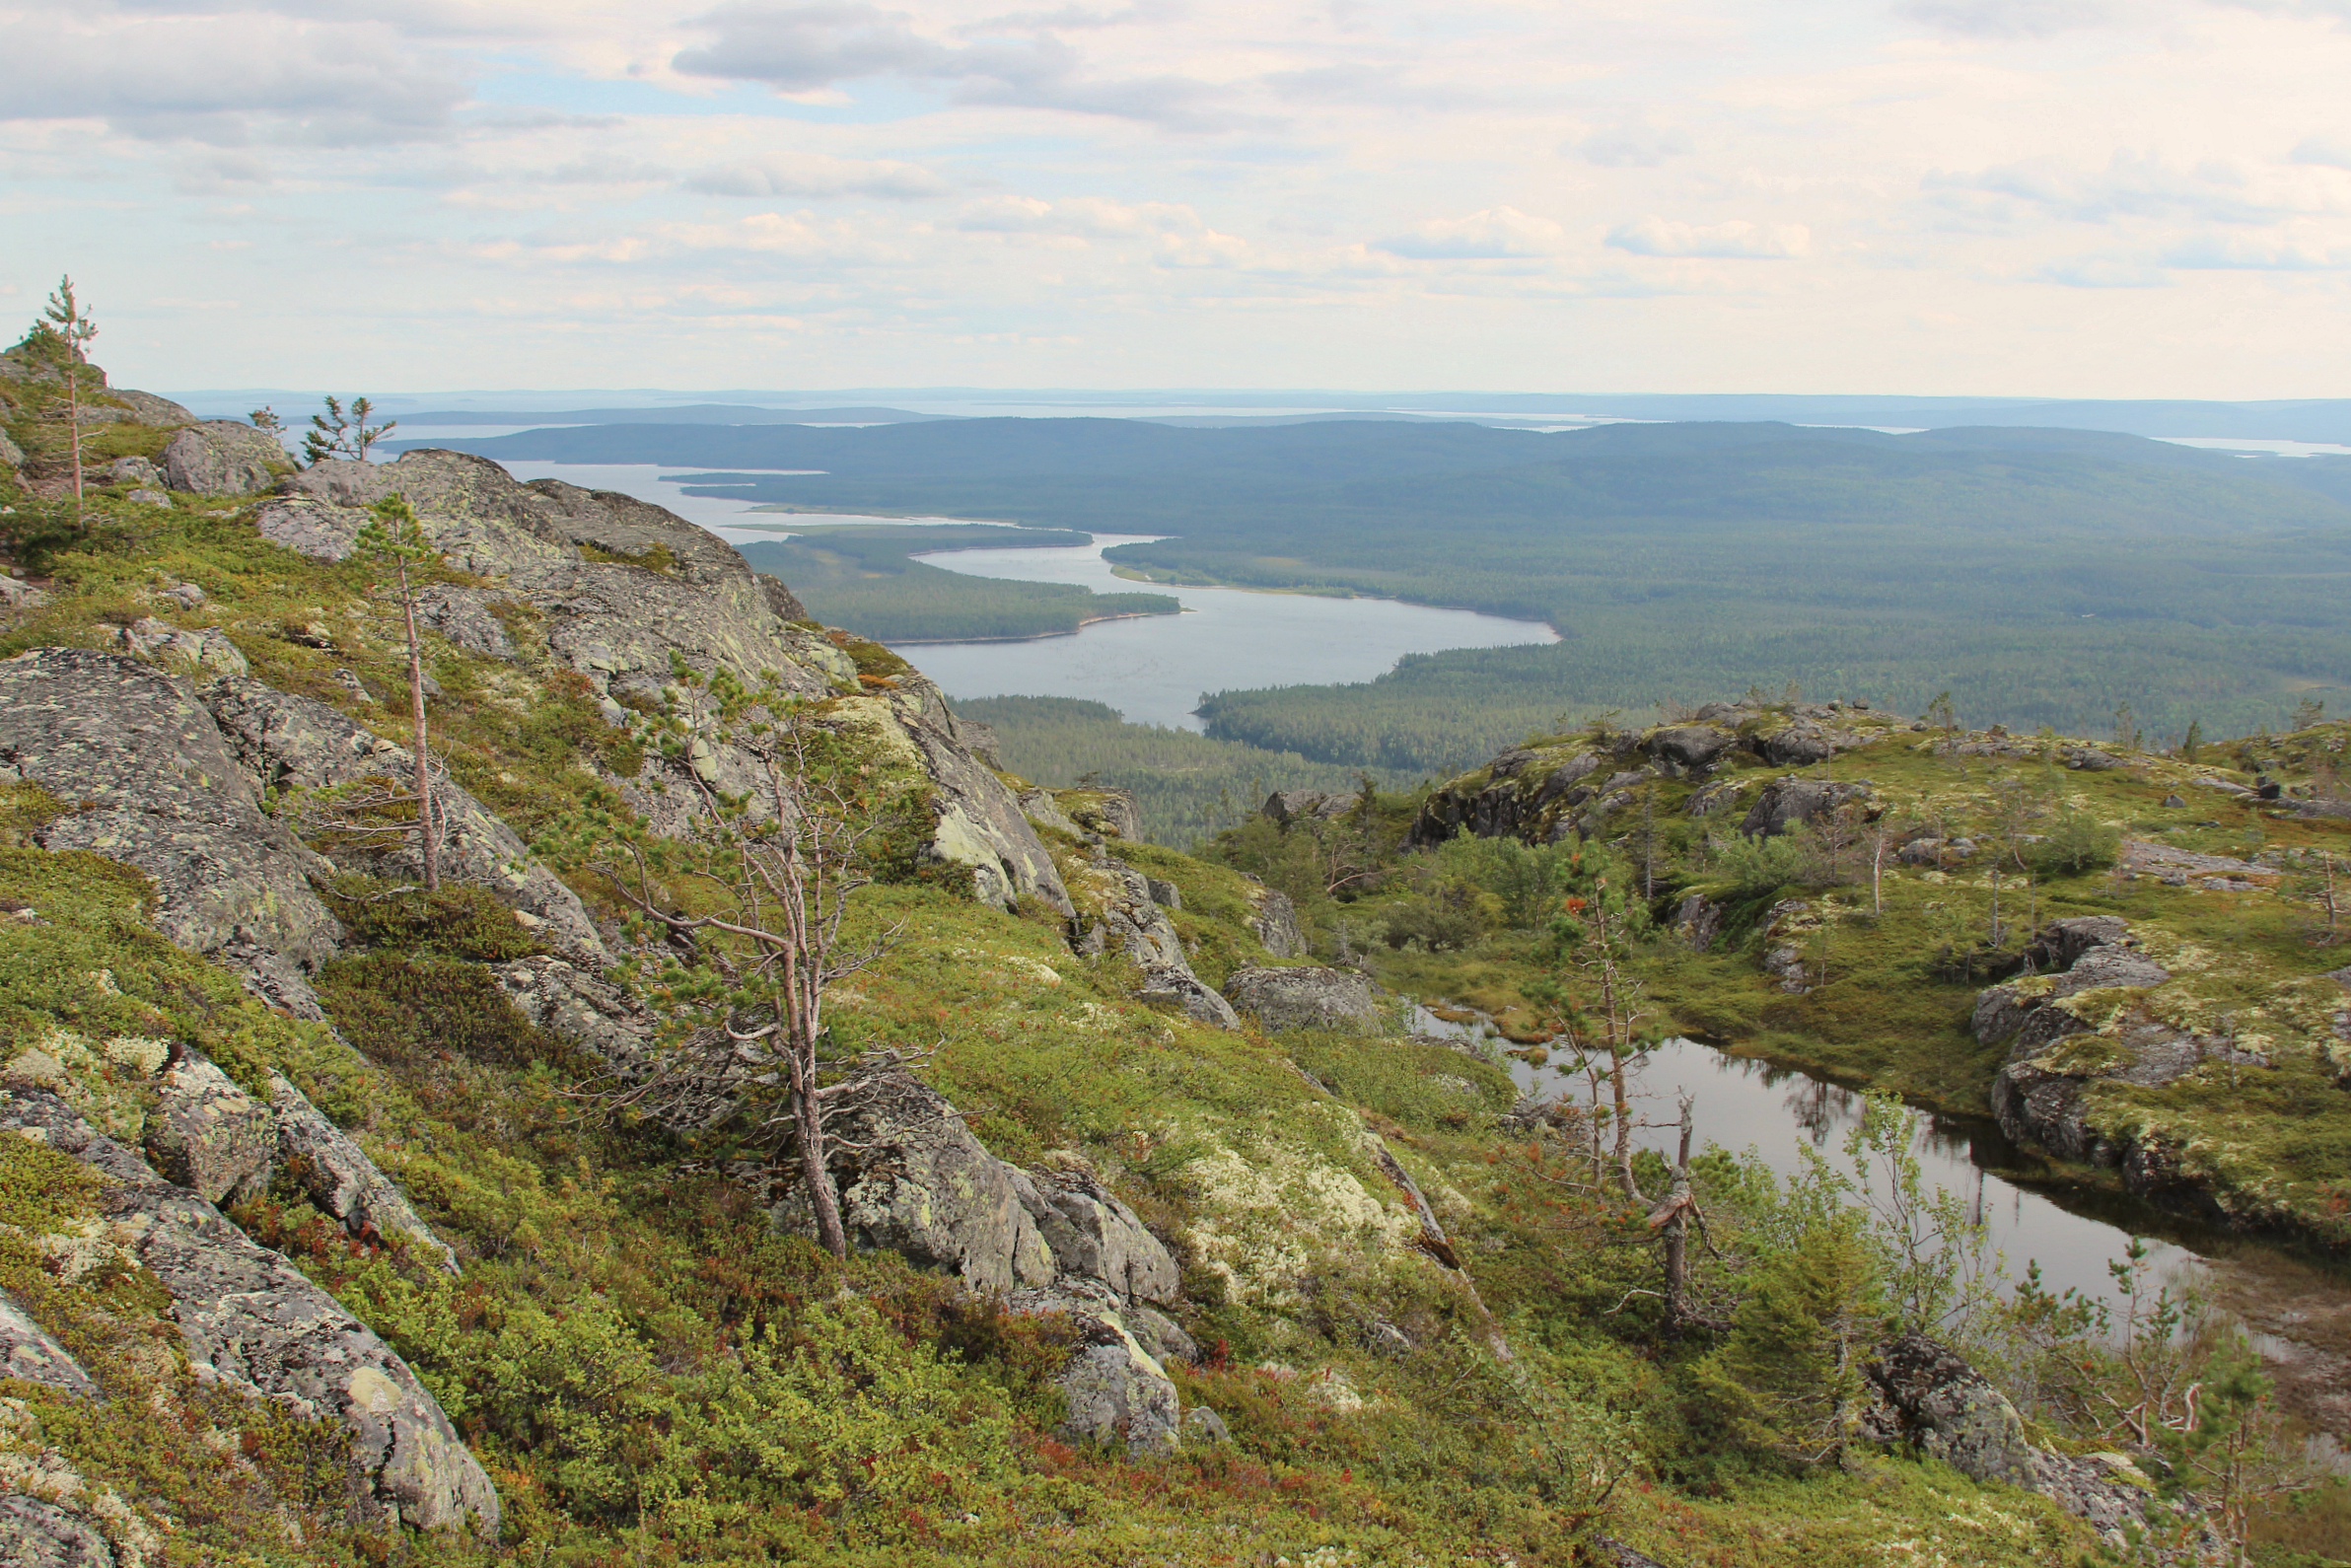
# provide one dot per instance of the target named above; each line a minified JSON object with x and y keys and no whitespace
{"x":1787,"y":801}
{"x":1122,"y":916}
{"x":1116,"y":1394}
{"x":1304,"y":997}
{"x":338,"y":1178}
{"x":1092,"y":1235}
{"x":223,"y":458}
{"x":1690,"y":745}
{"x":251,"y":1321}
{"x":208,"y":1135}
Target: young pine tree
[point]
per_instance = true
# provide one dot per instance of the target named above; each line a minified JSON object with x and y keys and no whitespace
{"x":393,"y":537}
{"x":69,"y":320}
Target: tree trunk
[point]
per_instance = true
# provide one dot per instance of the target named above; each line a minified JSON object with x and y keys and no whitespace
{"x":823,"y":1202}
{"x":73,"y":417}
{"x":426,"y":845}
{"x":1678,"y":1233}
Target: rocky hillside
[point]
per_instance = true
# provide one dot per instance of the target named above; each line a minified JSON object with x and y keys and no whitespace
{"x":1841,"y":885}
{"x":343,"y":1219}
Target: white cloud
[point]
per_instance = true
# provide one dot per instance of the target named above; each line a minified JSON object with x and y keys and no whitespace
{"x":813,"y":175}
{"x":2237,"y":253}
{"x":1495,"y":234}
{"x":227,"y":80}
{"x":1735,"y":240}
{"x":797,"y":48}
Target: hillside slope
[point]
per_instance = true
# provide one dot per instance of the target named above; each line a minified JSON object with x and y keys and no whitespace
{"x":351,"y":1219}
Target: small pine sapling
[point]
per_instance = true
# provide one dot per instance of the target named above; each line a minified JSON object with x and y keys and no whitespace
{"x":392,"y":536}
{"x":336,"y":435}
{"x":70,"y":321}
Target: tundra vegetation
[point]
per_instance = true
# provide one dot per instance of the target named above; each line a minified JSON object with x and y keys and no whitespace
{"x":1373,"y":1308}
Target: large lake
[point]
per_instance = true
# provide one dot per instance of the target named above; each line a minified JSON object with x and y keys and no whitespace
{"x":1155,"y":668}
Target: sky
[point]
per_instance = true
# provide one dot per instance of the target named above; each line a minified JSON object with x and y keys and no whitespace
{"x":2129,"y":198}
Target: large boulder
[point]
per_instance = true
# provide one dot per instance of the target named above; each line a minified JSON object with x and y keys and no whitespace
{"x":222,"y":458}
{"x":1304,"y":997}
{"x":162,"y":792}
{"x":1928,"y":1397}
{"x":1116,"y":1394}
{"x":913,"y":1181}
{"x":209,"y":1135}
{"x":251,"y":1321}
{"x":1689,"y":746}
{"x":1094,"y":1235}
{"x":1787,"y":801}
{"x":1116,"y":912}
{"x":148,"y":408}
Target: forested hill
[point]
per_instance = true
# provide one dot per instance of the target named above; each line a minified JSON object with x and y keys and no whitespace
{"x":2038,"y":575}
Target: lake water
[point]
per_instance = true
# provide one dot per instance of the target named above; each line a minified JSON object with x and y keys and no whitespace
{"x":1156,"y":669}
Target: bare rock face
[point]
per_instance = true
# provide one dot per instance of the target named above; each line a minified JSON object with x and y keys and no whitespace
{"x":918,"y":1184}
{"x":166,"y":796}
{"x":251,"y":1321}
{"x":627,"y":589}
{"x":148,"y":408}
{"x":1304,"y":997}
{"x":27,"y":1352}
{"x":291,"y":741}
{"x":223,"y":458}
{"x":208,"y":1135}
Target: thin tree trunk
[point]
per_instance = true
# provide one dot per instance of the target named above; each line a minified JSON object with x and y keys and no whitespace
{"x":73,"y":415}
{"x":1678,"y":1231}
{"x":816,"y":1175}
{"x":425,"y":837}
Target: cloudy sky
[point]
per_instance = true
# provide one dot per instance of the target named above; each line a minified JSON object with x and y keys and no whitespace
{"x":2062,"y":197}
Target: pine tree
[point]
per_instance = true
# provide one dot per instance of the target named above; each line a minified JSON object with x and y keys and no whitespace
{"x":70,"y":321}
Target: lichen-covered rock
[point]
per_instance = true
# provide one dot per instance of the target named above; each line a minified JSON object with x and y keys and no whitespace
{"x":205,"y":652}
{"x":1304,"y":997}
{"x":913,"y":1181}
{"x":209,"y":1135}
{"x":27,"y":1351}
{"x":39,"y":1535}
{"x":251,"y":1321}
{"x":338,"y":1177}
{"x":1098,"y":808}
{"x":1090,"y":1234}
{"x":1928,"y":1396}
{"x":223,"y":458}
{"x":463,"y":616}
{"x":1951,"y":1412}
{"x":295,"y":743}
{"x":1116,"y":1394}
{"x":1118,"y":913}
{"x":979,"y":821}
{"x":1296,"y":806}
{"x":166,"y":795}
{"x":1042,"y":810}
{"x":12,"y":456}
{"x":148,"y":408}
{"x":1274,"y":921}
{"x":1789,"y":801}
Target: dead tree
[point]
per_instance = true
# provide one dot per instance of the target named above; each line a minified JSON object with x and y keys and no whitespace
{"x":771,"y":874}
